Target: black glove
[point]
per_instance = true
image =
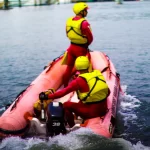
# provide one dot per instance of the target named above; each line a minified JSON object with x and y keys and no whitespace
{"x":43,"y":96}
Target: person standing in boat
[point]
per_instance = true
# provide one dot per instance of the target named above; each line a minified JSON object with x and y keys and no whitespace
{"x":92,"y":91}
{"x":79,"y":32}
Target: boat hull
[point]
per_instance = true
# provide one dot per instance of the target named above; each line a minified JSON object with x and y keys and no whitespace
{"x":13,"y":123}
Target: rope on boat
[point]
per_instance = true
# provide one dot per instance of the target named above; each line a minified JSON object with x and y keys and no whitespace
{"x":53,"y":62}
{"x":18,"y":98}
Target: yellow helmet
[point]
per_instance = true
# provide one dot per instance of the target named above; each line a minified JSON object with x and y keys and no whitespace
{"x":78,"y":7}
{"x":81,"y":63}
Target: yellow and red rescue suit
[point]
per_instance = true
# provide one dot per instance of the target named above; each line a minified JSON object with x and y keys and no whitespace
{"x":80,"y":35}
{"x":98,"y":88}
{"x":94,"y":106}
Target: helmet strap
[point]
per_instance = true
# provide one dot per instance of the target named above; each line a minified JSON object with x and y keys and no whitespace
{"x":82,"y":13}
{"x":84,"y":71}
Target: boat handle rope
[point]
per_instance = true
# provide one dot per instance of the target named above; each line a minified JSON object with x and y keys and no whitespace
{"x":56,"y":59}
{"x":18,"y":98}
{"x":53,"y":62}
{"x":117,"y":75}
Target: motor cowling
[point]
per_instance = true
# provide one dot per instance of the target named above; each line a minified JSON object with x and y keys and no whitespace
{"x":55,"y":123}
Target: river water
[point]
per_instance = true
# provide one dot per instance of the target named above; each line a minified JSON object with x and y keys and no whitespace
{"x":32,"y":36}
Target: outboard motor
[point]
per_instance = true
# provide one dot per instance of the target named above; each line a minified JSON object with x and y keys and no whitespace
{"x":55,"y":119}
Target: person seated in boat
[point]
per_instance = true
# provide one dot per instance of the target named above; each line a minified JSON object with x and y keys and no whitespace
{"x":48,"y":118}
{"x":92,"y":91}
{"x":53,"y":123}
{"x":39,"y":104}
{"x":37,"y":120}
{"x":79,"y":32}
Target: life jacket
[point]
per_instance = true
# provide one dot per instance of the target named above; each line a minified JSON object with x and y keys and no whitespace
{"x":98,"y":88}
{"x":73,"y":29}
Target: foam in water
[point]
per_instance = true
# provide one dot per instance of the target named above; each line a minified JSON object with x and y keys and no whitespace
{"x":82,"y":139}
{"x":128,"y":104}
{"x":2,"y":109}
{"x":71,"y":141}
{"x":140,"y":146}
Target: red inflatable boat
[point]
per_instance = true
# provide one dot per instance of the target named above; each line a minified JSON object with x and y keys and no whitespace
{"x":13,"y":123}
